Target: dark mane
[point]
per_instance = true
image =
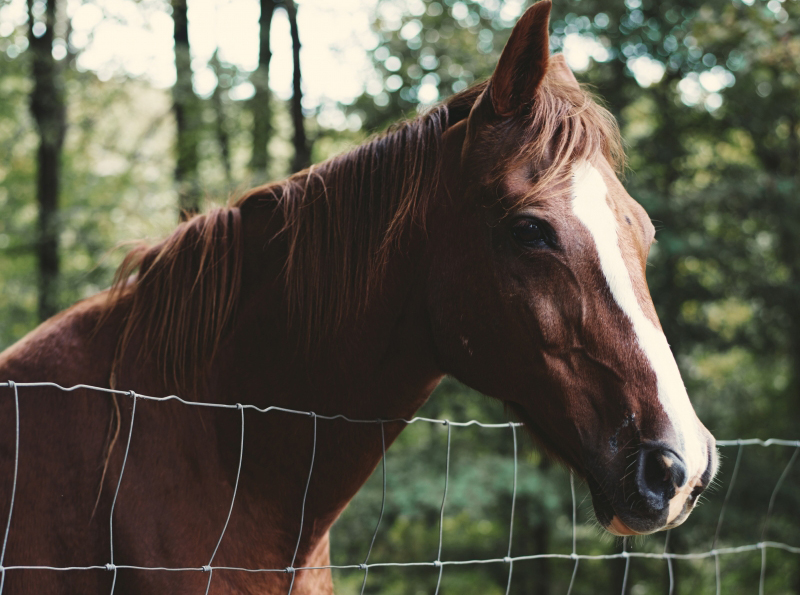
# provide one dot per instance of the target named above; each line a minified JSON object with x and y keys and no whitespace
{"x":342,"y":221}
{"x":183,"y":296}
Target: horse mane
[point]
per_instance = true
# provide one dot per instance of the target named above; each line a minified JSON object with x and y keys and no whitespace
{"x":344,"y":218}
{"x":342,"y":221}
{"x":182,"y":296}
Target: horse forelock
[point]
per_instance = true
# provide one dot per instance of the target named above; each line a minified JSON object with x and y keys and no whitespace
{"x":565,"y":125}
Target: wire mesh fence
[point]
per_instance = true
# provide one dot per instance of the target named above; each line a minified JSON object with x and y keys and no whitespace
{"x":714,"y":552}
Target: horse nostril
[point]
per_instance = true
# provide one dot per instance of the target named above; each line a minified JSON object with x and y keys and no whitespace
{"x":660,"y":472}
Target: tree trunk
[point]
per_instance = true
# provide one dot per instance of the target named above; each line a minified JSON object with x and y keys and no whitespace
{"x":49,"y":112}
{"x":220,"y":120}
{"x":260,"y":104}
{"x":186,"y":106}
{"x":302,"y":153}
{"x":541,"y":537}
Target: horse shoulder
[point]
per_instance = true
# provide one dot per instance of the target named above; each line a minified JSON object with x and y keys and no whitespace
{"x":62,"y":445}
{"x":74,"y":346}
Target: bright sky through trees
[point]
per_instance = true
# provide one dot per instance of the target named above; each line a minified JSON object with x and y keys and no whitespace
{"x":135,"y":38}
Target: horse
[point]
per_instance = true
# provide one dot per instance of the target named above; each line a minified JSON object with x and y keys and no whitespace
{"x":489,"y":239}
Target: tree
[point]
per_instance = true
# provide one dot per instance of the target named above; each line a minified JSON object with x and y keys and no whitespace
{"x":260,"y":104}
{"x":221,"y":129}
{"x":48,"y":106}
{"x":302,"y":151}
{"x":188,"y":118}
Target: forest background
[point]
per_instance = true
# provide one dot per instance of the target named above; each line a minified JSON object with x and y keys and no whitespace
{"x":95,"y":152}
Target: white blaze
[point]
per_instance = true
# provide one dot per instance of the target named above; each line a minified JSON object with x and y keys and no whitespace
{"x":590,"y":206}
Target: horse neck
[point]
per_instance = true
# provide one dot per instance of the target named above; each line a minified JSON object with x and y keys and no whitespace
{"x":379,"y":364}
{"x":382,"y":350}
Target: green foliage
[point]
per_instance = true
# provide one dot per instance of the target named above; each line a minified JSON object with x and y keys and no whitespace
{"x":117,"y":185}
{"x":18,"y":144}
{"x":114,"y":187}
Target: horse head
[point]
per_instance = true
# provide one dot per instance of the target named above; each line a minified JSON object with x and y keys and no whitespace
{"x":538,"y":294}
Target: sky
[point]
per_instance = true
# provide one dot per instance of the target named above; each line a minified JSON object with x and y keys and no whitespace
{"x":135,"y":38}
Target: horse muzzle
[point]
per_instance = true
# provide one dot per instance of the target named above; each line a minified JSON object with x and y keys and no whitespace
{"x":656,"y":491}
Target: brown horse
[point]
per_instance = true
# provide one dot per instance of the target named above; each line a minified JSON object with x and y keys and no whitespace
{"x":488,"y":239}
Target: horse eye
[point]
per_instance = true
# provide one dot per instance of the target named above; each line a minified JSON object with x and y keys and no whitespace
{"x":529,"y":232}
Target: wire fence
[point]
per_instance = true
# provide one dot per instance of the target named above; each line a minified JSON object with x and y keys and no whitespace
{"x":714,"y":551}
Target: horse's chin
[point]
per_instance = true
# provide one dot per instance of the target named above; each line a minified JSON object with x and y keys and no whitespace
{"x":620,"y":529}
{"x":608,"y":517}
{"x":625,"y":524}
{"x":604,"y":511}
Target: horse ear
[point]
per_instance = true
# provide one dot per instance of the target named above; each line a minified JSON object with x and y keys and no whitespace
{"x":558,"y":66}
{"x":523,"y":64}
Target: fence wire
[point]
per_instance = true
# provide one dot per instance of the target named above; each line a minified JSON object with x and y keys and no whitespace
{"x":713,"y":552}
